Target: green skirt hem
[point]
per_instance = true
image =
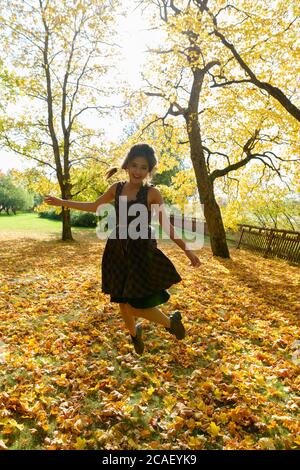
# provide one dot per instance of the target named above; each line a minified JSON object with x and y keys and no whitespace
{"x":152,"y":300}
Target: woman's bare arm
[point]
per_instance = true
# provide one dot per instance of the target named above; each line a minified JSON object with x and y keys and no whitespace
{"x":164,"y":220}
{"x":106,"y":197}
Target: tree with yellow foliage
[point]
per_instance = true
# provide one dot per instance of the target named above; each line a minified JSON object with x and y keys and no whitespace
{"x":226,"y":129}
{"x":62,"y":49}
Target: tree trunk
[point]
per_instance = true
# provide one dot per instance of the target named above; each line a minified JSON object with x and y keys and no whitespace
{"x":212,"y":215}
{"x":216,"y":229}
{"x":212,"y":211}
{"x":66,"y":225}
{"x":66,"y":215}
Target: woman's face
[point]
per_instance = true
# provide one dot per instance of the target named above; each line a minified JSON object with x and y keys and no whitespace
{"x":138,"y":169}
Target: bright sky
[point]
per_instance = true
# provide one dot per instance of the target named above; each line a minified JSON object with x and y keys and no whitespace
{"x":134,"y":38}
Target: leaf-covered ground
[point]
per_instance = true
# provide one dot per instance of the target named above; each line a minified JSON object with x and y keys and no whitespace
{"x":70,"y":378}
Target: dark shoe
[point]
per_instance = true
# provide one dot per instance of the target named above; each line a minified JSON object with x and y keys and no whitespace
{"x":176,"y":327}
{"x":137,"y":340}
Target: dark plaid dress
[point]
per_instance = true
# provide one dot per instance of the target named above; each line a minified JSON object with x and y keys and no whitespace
{"x":135,"y":271}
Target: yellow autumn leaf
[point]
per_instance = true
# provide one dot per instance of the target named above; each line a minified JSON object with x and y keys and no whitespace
{"x":11,"y":423}
{"x":267,"y":443}
{"x":297,"y":440}
{"x":213,"y":429}
{"x":80,"y":443}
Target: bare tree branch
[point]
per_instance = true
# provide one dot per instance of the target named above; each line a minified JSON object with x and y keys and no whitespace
{"x":274,"y":91}
{"x":24,"y":154}
{"x":56,"y":150}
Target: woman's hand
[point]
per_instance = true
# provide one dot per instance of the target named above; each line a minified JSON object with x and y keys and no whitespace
{"x":195,"y":262}
{"x":53,"y":201}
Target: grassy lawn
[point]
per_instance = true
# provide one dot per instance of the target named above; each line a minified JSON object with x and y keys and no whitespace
{"x":30,"y":225}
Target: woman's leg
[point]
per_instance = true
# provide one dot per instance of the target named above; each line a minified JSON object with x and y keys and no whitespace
{"x":128,"y":318}
{"x":153,"y":314}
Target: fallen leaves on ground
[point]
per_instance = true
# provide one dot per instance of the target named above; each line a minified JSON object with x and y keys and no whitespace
{"x":70,"y":378}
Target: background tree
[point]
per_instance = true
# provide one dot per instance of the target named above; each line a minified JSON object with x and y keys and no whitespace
{"x":280,"y":27}
{"x":13,"y":198}
{"x":267,"y":204}
{"x":230,"y":130}
{"x":65,"y":51}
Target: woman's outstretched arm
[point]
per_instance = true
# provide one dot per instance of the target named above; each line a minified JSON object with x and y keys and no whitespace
{"x":157,"y":199}
{"x":83,"y":206}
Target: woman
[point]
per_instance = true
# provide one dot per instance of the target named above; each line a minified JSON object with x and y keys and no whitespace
{"x":135,"y":272}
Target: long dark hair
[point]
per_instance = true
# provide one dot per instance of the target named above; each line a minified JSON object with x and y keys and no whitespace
{"x":138,"y":150}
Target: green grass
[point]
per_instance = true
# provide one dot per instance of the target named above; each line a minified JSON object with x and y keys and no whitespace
{"x":30,"y":223}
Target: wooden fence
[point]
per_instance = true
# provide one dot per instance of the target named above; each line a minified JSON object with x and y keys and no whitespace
{"x":271,"y":242}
